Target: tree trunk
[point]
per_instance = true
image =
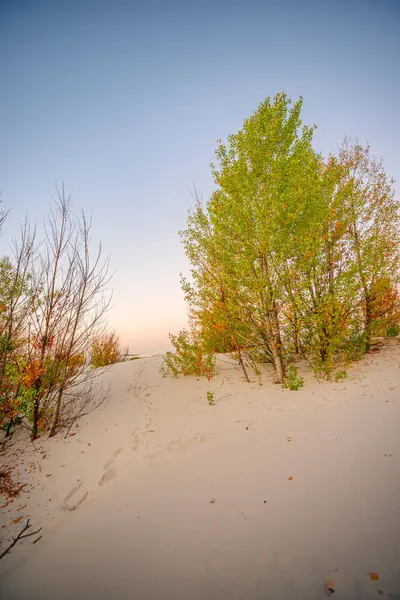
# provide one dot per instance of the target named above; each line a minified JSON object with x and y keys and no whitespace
{"x":368,"y":321}
{"x":323,"y":346}
{"x":240,"y":357}
{"x":278,"y":363}
{"x":56,"y":413}
{"x":241,"y":362}
{"x":35,"y":423}
{"x":272,"y":323}
{"x":9,"y":427}
{"x":275,"y":345}
{"x":366,"y":289}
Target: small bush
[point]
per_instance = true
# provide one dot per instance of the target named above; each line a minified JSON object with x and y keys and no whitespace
{"x":210,"y":398}
{"x":340,"y":375}
{"x":189,"y":358}
{"x":106,"y":351}
{"x":393,"y":331}
{"x":293,"y":380}
{"x":355,"y":347}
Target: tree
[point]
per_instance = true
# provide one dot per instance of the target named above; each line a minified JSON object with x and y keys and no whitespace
{"x":15,"y":306}
{"x":53,"y":302}
{"x":373,"y":220}
{"x":212,"y":313}
{"x":68,"y":316}
{"x":293,"y":254}
{"x":318,"y":271}
{"x":264,"y":168}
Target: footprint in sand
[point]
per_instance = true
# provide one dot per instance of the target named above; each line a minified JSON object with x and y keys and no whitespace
{"x":139,"y":436}
{"x":110,"y":462}
{"x":182,"y":443}
{"x":73,"y":501}
{"x":108,"y":476}
{"x":74,"y":504}
{"x":110,"y":471}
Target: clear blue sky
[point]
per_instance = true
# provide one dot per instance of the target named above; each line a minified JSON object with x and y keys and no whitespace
{"x":124,"y":101}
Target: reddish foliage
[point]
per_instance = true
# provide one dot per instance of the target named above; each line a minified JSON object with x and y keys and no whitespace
{"x":8,"y":488}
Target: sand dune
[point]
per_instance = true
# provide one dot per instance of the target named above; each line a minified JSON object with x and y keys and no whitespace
{"x":269,"y":494}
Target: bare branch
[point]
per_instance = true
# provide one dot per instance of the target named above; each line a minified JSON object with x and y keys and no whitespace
{"x":22,"y":535}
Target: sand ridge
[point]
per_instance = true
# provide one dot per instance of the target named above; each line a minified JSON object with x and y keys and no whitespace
{"x":267,"y":494}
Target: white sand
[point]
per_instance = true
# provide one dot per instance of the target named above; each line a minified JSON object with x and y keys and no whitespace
{"x":174,"y":499}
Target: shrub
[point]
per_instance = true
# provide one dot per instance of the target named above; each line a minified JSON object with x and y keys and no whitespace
{"x":340,"y":375}
{"x":393,"y":331}
{"x":293,"y":380}
{"x":105,"y":351}
{"x":189,"y":358}
{"x":210,"y":398}
{"x":355,"y":346}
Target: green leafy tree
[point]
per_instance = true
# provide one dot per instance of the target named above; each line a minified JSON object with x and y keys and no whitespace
{"x":293,"y":254}
{"x":373,"y":232}
{"x":260,"y":174}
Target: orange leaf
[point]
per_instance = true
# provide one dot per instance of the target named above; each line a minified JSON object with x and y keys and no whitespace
{"x":290,"y":478}
{"x":329,"y":588}
{"x":374,"y":576}
{"x":17,"y":520}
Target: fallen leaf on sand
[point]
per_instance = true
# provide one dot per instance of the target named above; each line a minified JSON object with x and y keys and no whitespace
{"x":290,"y":478}
{"x":89,"y":444}
{"x":374,"y":576}
{"x":17,"y":520}
{"x":288,"y":439}
{"x":71,"y":434}
{"x":329,"y":588}
{"x":212,"y":501}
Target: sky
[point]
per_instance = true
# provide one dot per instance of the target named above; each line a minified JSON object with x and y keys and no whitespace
{"x":123,"y":101}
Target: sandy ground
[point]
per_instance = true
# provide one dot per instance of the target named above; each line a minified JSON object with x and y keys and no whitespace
{"x":269,"y":494}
